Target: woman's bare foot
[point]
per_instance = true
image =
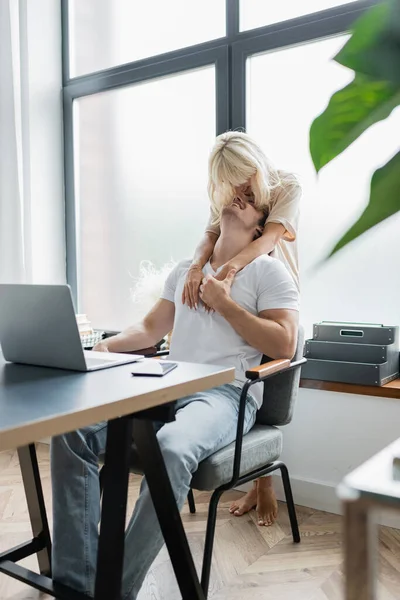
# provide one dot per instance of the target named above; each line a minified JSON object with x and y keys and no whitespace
{"x":267,"y":505}
{"x":246,"y":503}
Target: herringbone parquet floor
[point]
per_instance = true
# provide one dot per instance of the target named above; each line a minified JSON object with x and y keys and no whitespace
{"x":250,"y":563}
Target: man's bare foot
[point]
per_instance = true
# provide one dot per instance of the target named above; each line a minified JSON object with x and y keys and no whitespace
{"x":246,"y":503}
{"x":267,"y":505}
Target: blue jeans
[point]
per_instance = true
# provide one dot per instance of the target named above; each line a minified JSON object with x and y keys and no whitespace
{"x":205,"y":422}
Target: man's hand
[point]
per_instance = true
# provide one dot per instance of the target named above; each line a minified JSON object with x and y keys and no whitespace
{"x":223,"y":273}
{"x":190,"y":294}
{"x":101,"y":346}
{"x":215,"y":293}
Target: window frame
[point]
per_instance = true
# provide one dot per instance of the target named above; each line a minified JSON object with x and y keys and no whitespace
{"x":227,"y":54}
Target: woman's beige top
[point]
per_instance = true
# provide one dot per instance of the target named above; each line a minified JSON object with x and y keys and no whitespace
{"x":284,"y":209}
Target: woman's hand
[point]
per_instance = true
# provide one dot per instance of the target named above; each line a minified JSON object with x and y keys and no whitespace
{"x":190,"y":294}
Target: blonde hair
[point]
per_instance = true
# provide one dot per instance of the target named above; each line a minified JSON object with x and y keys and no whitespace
{"x":237,"y":159}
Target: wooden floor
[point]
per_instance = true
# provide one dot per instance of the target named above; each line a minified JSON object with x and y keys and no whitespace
{"x":250,"y":562}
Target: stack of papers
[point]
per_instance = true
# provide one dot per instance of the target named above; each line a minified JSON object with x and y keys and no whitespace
{"x":84,"y":325}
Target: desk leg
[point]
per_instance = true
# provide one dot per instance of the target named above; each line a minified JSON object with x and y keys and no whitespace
{"x":36,"y":507}
{"x":167,"y":511}
{"x":110,"y":557}
{"x":360,"y":538}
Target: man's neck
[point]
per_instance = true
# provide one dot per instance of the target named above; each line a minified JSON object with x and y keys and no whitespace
{"x":229,"y":244}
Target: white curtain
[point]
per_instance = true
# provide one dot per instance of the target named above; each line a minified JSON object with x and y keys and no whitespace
{"x":32,"y":242}
{"x":15,"y":242}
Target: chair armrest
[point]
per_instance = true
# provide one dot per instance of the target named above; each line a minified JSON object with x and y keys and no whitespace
{"x":268,"y":368}
{"x":108,"y":333}
{"x":272,"y":368}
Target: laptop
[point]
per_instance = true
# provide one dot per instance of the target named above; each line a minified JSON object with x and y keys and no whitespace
{"x":38,"y":327}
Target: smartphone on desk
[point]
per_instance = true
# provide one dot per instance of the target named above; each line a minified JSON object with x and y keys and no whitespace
{"x":152,"y":368}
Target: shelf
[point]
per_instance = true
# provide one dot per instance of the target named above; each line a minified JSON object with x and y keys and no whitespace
{"x":390,"y":390}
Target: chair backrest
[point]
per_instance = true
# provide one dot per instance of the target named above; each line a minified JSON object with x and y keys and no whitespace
{"x":280,"y":392}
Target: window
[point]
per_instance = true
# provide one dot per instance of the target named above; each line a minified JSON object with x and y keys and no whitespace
{"x":256,"y":13}
{"x":141,"y":184}
{"x":302,"y":80}
{"x":147,"y":87}
{"x":105,"y":33}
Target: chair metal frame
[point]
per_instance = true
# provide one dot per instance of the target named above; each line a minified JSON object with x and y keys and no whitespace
{"x":237,"y":479}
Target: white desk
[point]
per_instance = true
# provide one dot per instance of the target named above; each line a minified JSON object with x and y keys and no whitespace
{"x":369,"y":487}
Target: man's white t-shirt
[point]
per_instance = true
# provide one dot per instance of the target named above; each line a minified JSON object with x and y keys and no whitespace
{"x":201,"y":337}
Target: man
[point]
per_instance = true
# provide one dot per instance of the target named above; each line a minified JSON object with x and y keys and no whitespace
{"x":256,"y":313}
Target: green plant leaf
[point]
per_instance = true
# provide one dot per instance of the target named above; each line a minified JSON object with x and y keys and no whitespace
{"x":374,"y":47}
{"x":384,"y":201}
{"x":365,"y":34}
{"x":349,"y":113}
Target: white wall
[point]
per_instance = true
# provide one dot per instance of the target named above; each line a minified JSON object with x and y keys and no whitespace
{"x":46,"y":140}
{"x":333,"y":433}
{"x":330,"y":435}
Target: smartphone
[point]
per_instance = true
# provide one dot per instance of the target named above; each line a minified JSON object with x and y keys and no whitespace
{"x":153,"y":368}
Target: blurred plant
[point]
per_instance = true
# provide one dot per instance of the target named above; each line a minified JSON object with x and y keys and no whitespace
{"x":373,"y":53}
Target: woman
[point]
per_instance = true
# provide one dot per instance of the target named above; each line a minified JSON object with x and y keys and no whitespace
{"x":238,"y":167}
